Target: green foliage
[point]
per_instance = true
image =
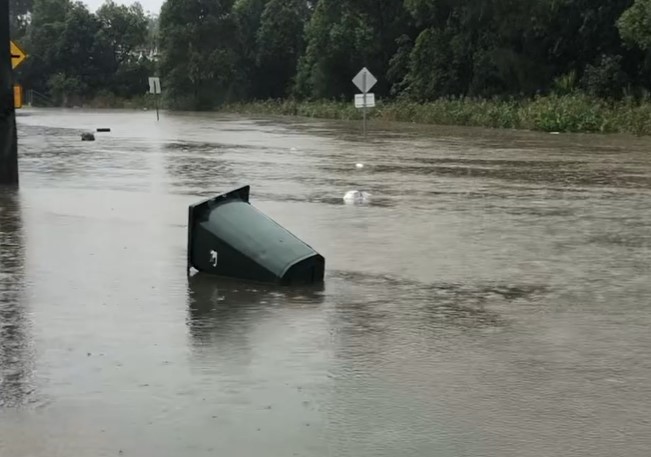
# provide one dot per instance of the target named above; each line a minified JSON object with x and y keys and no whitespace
{"x":290,"y":107}
{"x":66,"y":45}
{"x":433,"y":69}
{"x":279,"y":45}
{"x":19,"y":17}
{"x":565,"y":84}
{"x":635,"y":24}
{"x":75,"y":54}
{"x":66,"y":90}
{"x":247,"y":16}
{"x":199,"y":59}
{"x":606,"y":79}
{"x":571,"y":113}
{"x":342,"y":37}
{"x":152,"y":39}
{"x":131,"y":78}
{"x":125,"y":28}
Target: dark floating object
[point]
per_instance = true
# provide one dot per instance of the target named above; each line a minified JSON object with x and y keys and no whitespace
{"x":103,"y":130}
{"x":87,"y":137}
{"x":229,"y":237}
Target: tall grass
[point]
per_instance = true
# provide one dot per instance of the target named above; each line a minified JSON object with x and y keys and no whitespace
{"x":573,"y":112}
{"x":110,"y":101}
{"x":320,"y":109}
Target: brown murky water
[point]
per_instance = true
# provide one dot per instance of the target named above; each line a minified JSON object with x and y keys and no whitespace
{"x":493,"y":298}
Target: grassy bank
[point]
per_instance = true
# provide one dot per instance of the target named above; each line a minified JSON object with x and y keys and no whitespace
{"x":568,"y":113}
{"x":110,"y":101}
{"x":100,"y":101}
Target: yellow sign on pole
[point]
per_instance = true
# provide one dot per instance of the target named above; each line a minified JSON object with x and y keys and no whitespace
{"x":18,"y":56}
{"x":18,"y":96}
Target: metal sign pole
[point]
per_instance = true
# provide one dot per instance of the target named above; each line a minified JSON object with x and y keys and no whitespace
{"x":155,"y":90}
{"x":364,"y":92}
{"x":364,"y":81}
{"x":8,"y":135}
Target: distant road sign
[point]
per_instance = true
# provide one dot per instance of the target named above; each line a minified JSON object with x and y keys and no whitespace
{"x":18,"y":96}
{"x":154,"y":85}
{"x":154,"y":88}
{"x":18,"y":56}
{"x":364,"y":100}
{"x":364,"y":80}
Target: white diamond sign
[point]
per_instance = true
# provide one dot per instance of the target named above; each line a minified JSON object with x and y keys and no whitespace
{"x":364,"y":80}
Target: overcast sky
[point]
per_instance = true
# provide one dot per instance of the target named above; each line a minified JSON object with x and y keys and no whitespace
{"x":151,"y":5}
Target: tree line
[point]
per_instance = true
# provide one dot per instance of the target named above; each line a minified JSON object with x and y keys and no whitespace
{"x":211,"y":52}
{"x":76,"y":55}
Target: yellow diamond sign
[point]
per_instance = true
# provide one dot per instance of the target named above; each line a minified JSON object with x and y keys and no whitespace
{"x":17,"y":55}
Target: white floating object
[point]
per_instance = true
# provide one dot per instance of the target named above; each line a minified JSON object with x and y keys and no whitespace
{"x":293,"y":149}
{"x":554,"y":133}
{"x":356,"y":197}
{"x":359,"y":166}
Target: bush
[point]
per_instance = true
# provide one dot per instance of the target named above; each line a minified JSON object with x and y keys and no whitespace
{"x":574,"y":112}
{"x":605,"y":79}
{"x":570,"y":113}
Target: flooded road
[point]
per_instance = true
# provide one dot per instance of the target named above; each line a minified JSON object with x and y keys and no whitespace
{"x":492,"y":299}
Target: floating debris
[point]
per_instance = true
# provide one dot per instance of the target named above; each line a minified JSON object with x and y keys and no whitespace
{"x":356,"y":197}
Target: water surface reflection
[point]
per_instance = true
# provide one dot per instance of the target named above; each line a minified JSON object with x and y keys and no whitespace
{"x":16,"y":358}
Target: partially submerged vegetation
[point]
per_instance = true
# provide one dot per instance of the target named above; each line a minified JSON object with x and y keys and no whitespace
{"x":566,"y":113}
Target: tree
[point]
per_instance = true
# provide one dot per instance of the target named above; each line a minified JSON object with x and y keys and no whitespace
{"x":635,"y":24}
{"x":606,"y":79}
{"x":511,"y":47}
{"x":466,"y":48}
{"x":247,"y":15}
{"x":152,"y":40}
{"x":68,"y":55}
{"x":342,"y":37}
{"x":74,"y":55}
{"x":124,"y":28}
{"x":279,"y":45}
{"x":199,"y":58}
{"x":19,"y":17}
{"x":48,"y":21}
{"x":80,"y":51}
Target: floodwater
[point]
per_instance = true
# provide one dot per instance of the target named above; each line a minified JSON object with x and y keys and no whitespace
{"x":492,"y":299}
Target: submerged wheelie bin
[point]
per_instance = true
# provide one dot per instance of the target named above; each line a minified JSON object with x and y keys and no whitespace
{"x":229,"y":237}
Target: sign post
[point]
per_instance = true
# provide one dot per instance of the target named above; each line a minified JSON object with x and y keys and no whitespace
{"x":155,"y":89}
{"x":364,"y":80}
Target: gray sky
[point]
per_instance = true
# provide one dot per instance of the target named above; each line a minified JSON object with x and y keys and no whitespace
{"x":151,"y":5}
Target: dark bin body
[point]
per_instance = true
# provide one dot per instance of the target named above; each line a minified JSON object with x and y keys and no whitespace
{"x":229,"y":237}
